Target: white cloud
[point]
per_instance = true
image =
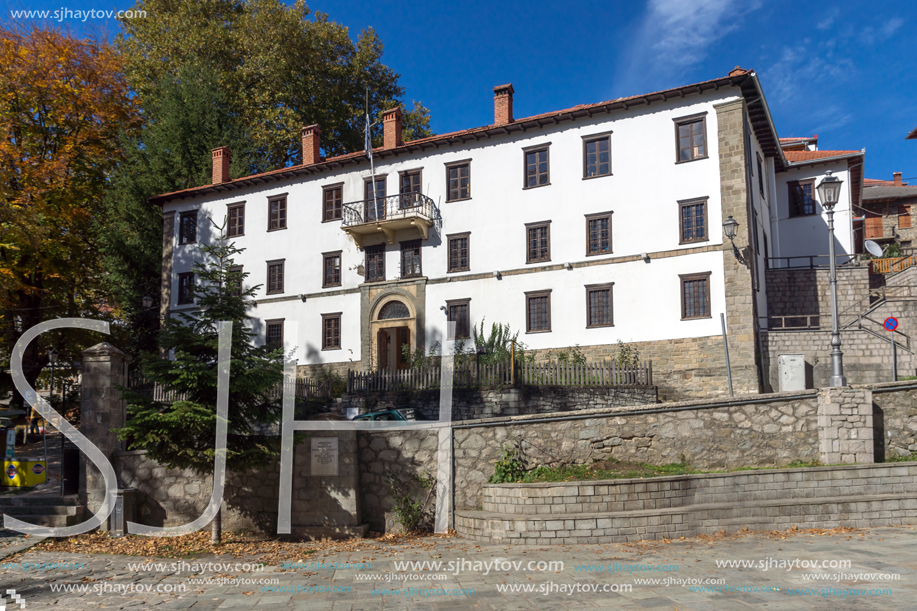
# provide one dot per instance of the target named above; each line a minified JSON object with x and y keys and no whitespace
{"x":828,"y":19}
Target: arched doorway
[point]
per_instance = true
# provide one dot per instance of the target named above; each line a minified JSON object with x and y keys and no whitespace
{"x":393,"y":334}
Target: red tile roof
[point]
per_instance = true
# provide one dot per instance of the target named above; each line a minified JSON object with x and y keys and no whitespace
{"x":735,"y":77}
{"x":875,"y":182}
{"x":801,"y":156}
{"x":798,"y":138}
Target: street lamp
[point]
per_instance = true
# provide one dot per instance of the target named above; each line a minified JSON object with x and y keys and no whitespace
{"x":829,"y":191}
{"x":147,"y":302}
{"x":731,"y":229}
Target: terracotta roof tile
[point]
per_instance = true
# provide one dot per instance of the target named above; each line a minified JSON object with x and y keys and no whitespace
{"x":799,"y":156}
{"x":798,"y":138}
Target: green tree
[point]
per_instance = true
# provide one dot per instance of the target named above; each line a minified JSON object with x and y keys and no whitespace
{"x":188,"y":118}
{"x":281,"y":67}
{"x":182,"y":434}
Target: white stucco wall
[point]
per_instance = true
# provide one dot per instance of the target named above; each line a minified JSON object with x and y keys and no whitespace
{"x":642,"y":192}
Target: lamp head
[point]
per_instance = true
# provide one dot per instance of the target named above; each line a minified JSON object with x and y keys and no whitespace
{"x":829,"y":190}
{"x":147,"y":302}
{"x":52,"y":356}
{"x":731,"y":228}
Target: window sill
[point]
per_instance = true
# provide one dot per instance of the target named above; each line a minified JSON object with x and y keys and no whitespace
{"x":597,"y":176}
{"x":698,"y":317}
{"x":459,"y":270}
{"x":462,"y":199}
{"x":278,"y":229}
{"x":332,"y":220}
{"x":547,"y":184}
{"x":275,"y":293}
{"x":538,"y":331}
{"x":689,"y":242}
{"x":237,"y":235}
{"x":331,"y":348}
{"x":187,"y":243}
{"x":690,"y":160}
{"x":332,"y":286}
{"x":536,"y":261}
{"x":599,"y":254}
{"x":600,"y":326}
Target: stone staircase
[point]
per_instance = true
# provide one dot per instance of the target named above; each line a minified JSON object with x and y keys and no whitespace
{"x":44,"y":510}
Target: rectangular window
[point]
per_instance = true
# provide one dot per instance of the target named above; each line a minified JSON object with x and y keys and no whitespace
{"x":695,"y":296}
{"x":274,"y":277}
{"x":375,"y":263}
{"x":459,"y":259}
{"x":277,"y":213}
{"x":691,"y":138}
{"x":331,"y":269}
{"x":235,"y":280}
{"x":802,"y":197}
{"x":458,"y":179}
{"x":187,"y":227}
{"x":538,"y":311}
{"x":186,"y":288}
{"x":332,"y":202}
{"x":331,"y":331}
{"x":538,"y":236}
{"x":274,"y":334}
{"x":374,"y":201}
{"x":598,"y":305}
{"x":598,"y":234}
{"x":410,"y":189}
{"x":410,"y":259}
{"x":536,"y":167}
{"x":235,"y":223}
{"x":760,"y":174}
{"x":597,"y":156}
{"x":458,"y":312}
{"x":693,"y":221}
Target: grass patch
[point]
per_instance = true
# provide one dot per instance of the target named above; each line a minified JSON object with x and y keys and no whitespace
{"x":615,"y":469}
{"x":909,"y":458}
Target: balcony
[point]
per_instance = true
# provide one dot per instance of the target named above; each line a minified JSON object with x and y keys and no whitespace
{"x":388,"y":215}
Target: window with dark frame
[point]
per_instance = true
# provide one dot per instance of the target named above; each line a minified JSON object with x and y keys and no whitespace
{"x":410,"y":259}
{"x":802,"y":197}
{"x":691,"y":138}
{"x":277,"y":213}
{"x":597,"y":156}
{"x":599,"y":305}
{"x":187,"y":227}
{"x":459,"y":259}
{"x":692,"y":221}
{"x":274,"y":277}
{"x":409,"y":189}
{"x":375,"y":263}
{"x":760,"y":174}
{"x":331,"y":269}
{"x":332,"y":203}
{"x":235,"y":224}
{"x":458,"y":179}
{"x":331,"y":331}
{"x":273,"y":334}
{"x":186,"y":288}
{"x":538,"y":242}
{"x":538,"y":311}
{"x":695,"y":296}
{"x":536,"y":167}
{"x":236,"y":280}
{"x":457,"y":311}
{"x":374,"y":199}
{"x":598,"y":234}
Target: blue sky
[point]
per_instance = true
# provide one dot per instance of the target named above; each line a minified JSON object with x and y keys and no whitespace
{"x":843,"y":70}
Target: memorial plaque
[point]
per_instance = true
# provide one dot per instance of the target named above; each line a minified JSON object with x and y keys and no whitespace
{"x":324,"y":456}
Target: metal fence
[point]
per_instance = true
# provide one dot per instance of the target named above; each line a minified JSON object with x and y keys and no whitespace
{"x":503,"y":374}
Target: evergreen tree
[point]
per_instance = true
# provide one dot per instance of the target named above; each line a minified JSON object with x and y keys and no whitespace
{"x":182,"y":434}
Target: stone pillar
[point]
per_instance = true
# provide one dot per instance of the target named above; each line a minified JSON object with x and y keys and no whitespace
{"x":845,"y":427}
{"x":168,"y":239}
{"x":741,"y":312}
{"x":102,"y":410}
{"x":326,"y":506}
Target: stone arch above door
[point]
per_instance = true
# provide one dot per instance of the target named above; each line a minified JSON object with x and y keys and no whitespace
{"x":412,"y":295}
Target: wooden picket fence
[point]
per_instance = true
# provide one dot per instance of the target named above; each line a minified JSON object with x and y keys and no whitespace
{"x":502,"y":374}
{"x":303,"y":388}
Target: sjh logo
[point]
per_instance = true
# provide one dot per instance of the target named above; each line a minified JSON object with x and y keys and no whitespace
{"x":16,"y":598}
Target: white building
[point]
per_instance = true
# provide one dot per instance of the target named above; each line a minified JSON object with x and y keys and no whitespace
{"x":590,"y":225}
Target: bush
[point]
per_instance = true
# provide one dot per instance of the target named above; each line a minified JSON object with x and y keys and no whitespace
{"x":509,"y":469}
{"x":410,"y":507}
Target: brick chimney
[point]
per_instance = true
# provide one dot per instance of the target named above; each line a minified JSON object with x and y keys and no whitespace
{"x":220,"y":165}
{"x":311,"y":141}
{"x":503,"y":104}
{"x":897,"y":176}
{"x":391,"y":120}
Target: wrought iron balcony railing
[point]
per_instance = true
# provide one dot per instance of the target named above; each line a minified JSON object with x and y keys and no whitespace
{"x":389,"y":214}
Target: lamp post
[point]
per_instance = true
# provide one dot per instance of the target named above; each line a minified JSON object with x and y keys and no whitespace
{"x":52,"y":359}
{"x":829,"y":191}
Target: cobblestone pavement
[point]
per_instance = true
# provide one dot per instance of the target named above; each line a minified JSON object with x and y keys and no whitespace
{"x":107,"y":581}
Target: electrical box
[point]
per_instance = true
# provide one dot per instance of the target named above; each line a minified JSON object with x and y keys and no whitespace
{"x":791,"y":369}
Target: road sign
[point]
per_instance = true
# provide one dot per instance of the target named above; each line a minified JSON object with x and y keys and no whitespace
{"x":891,"y":323}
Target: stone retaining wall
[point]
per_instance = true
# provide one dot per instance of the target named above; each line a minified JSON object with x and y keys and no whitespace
{"x":472,"y":404}
{"x":683,"y":506}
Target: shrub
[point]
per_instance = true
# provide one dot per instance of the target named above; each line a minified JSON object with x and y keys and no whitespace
{"x":410,"y":506}
{"x":510,"y":468}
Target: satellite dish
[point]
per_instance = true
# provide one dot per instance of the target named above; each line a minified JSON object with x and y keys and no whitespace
{"x":874,"y":249}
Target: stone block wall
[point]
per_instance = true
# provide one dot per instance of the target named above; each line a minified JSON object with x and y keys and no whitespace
{"x":792,"y":292}
{"x":472,"y":404}
{"x":707,"y":435}
{"x":845,"y":428}
{"x":895,"y":419}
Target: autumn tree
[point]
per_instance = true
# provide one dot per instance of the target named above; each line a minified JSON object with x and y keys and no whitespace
{"x":63,"y":102}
